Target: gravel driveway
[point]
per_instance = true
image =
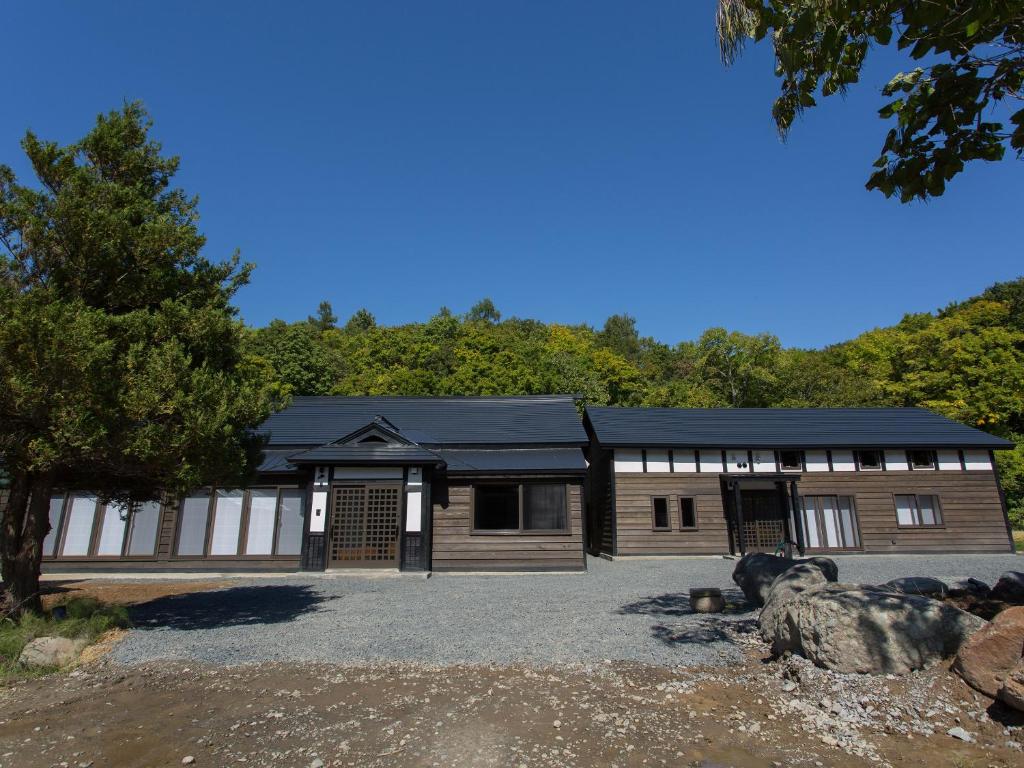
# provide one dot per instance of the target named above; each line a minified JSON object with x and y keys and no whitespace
{"x":627,"y":610}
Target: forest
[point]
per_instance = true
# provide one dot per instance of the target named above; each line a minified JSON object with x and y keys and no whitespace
{"x":965,"y":361}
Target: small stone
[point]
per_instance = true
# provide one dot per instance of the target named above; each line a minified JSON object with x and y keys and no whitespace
{"x":960,"y":733}
{"x":557,"y":723}
{"x":317,"y":763}
{"x":187,"y":760}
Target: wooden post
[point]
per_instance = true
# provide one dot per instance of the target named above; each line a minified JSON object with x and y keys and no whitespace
{"x":798,"y":520}
{"x":738,"y":501}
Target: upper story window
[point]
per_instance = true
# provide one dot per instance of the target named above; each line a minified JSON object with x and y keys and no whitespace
{"x":921,"y":459}
{"x":869,"y":460}
{"x":790,"y":461}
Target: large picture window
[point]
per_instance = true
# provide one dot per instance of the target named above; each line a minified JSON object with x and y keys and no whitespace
{"x":830,"y":522}
{"x":520,"y":508}
{"x":258,"y":522}
{"x":50,"y":542}
{"x":918,"y":510}
{"x":78,"y":529}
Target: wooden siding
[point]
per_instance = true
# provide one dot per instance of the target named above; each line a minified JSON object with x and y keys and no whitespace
{"x":971,"y":506}
{"x":456,"y":547}
{"x":633,"y":492}
{"x":972,"y":510}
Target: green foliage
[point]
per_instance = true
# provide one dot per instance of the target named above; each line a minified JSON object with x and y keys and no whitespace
{"x":483,"y":311}
{"x":78,"y":617}
{"x":973,"y":61}
{"x":121,"y":357}
{"x":324,"y":319}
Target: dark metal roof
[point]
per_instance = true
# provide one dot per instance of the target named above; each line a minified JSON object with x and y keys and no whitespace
{"x":276,"y":461}
{"x":565,"y":460}
{"x":784,"y":427}
{"x":468,"y":421}
{"x":366,"y":453}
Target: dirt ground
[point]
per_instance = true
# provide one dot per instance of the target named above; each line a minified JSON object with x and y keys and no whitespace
{"x":756,"y":714}
{"x":124,"y":592}
{"x":105,"y":714}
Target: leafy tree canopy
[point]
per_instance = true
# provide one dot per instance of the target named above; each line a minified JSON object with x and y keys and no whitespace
{"x":121,"y":361}
{"x":946,"y":110}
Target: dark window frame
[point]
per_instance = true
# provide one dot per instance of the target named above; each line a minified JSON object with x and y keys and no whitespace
{"x":915,"y":512}
{"x":682,"y":521}
{"x":860,"y":464}
{"x":933,"y":460}
{"x":654,"y":515}
{"x":801,"y":464}
{"x":520,"y":531}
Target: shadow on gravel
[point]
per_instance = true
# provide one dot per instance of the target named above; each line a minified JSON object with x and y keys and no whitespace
{"x":710,"y":630}
{"x":237,"y":606}
{"x":678,"y":604}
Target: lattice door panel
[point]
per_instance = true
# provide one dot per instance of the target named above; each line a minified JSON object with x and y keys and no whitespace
{"x":762,"y":534}
{"x":364,"y":526}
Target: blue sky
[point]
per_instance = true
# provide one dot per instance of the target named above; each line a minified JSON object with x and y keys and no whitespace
{"x":570,"y":160}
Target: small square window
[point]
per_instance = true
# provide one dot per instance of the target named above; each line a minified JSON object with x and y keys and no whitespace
{"x":921,"y":510}
{"x":687,"y":513}
{"x":496,"y":508}
{"x":660,"y":513}
{"x":791,"y":460}
{"x":921,"y":459}
{"x":869,"y":459}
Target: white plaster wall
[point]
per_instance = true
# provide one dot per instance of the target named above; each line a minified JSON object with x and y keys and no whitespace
{"x":764,"y":461}
{"x":817,"y":461}
{"x":684,"y":460}
{"x":710,"y":460}
{"x":896,"y":460}
{"x":657,"y":461}
{"x":628,"y":460}
{"x":949,"y":460}
{"x":842,"y":461}
{"x":977,"y":460}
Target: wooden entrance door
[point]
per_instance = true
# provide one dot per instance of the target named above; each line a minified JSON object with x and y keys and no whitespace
{"x":364,"y":526}
{"x":763,"y":520}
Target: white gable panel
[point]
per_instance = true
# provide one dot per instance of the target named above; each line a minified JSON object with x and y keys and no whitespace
{"x":817,"y":461}
{"x":710,"y":460}
{"x":842,"y":461}
{"x":628,"y":460}
{"x":657,"y":461}
{"x":949,"y":460}
{"x":896,"y":460}
{"x":977,"y":460}
{"x":764,"y":461}
{"x":737,"y":461}
{"x":684,"y":460}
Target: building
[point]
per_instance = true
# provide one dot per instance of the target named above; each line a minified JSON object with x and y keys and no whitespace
{"x":503,"y":484}
{"x":690,"y":481}
{"x":448,"y":483}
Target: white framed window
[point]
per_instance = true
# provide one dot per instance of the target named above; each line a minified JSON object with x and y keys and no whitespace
{"x":78,"y":530}
{"x":227,"y":522}
{"x":921,"y":510}
{"x":791,"y":461}
{"x":869,"y":460}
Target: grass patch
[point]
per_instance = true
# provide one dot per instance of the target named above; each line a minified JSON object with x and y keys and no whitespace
{"x":1018,"y":539}
{"x":78,"y":617}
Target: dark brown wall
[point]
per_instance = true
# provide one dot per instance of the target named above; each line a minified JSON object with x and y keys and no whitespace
{"x":633,"y":492}
{"x":456,"y":547}
{"x":970,"y":501}
{"x":971,"y":509}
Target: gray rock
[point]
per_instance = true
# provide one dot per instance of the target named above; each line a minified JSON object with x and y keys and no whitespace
{"x":755,"y":573}
{"x":856,"y":629}
{"x":775,"y":628}
{"x":918,"y":585}
{"x":50,"y":652}
{"x":960,"y":733}
{"x":317,"y":763}
{"x":1010,"y":588}
{"x":969,"y":586}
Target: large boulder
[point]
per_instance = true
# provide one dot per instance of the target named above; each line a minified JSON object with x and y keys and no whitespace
{"x":969,"y":587}
{"x":772,"y":620}
{"x":986,"y":660}
{"x":850,"y":628}
{"x":918,"y":585}
{"x":1010,"y":588}
{"x":755,"y":573}
{"x":1012,"y":692}
{"x":50,"y":652}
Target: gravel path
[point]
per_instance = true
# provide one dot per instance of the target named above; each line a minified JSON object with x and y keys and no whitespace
{"x":627,"y":610}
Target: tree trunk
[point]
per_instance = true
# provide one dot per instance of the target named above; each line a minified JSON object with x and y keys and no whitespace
{"x":26,"y":521}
